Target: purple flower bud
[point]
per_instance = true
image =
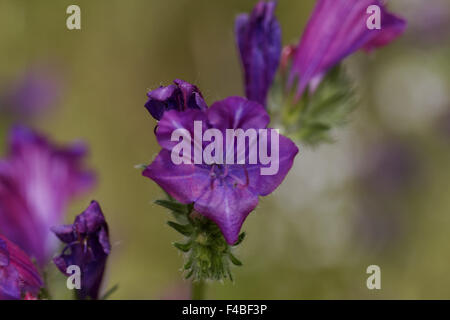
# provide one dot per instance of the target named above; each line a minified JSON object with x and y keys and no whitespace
{"x":178,"y":96}
{"x":336,"y":29}
{"x":258,"y":37}
{"x":18,"y":275}
{"x":87,"y":247}
{"x":37,"y":181}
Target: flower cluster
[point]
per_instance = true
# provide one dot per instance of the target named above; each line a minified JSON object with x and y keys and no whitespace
{"x":335,"y":30}
{"x":210,"y":200}
{"x":37,"y":181}
{"x":223,"y":192}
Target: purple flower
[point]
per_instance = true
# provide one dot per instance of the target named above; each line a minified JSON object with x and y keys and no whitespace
{"x":258,"y":37}
{"x":18,"y":275}
{"x":87,"y":247}
{"x":37,"y":180}
{"x":224,"y":193}
{"x":336,"y":29}
{"x":178,"y":96}
{"x":34,"y":92}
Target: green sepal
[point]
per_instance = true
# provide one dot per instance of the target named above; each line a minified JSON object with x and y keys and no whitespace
{"x":311,"y":119}
{"x":185,"y":230}
{"x":140,"y":166}
{"x":185,"y":247}
{"x":240,"y":239}
{"x":189,"y":274}
{"x":172,"y":205}
{"x":234,"y":260}
{"x":207,"y":254}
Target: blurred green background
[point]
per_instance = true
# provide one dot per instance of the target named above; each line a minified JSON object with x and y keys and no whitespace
{"x":316,"y":235}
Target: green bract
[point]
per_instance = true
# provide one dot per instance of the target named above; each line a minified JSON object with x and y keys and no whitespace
{"x":208,"y":256}
{"x":311,"y":119}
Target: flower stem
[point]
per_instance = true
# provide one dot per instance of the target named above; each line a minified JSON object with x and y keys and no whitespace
{"x":198,"y":290}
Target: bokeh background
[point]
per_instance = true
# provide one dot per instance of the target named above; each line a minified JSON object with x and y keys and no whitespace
{"x":379,"y":195}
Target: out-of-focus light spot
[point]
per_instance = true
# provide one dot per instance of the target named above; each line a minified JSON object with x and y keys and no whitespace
{"x":318,"y":170}
{"x":409,"y":94}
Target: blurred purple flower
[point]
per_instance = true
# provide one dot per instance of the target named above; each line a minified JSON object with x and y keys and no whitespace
{"x":227,"y":193}
{"x":389,"y":167}
{"x":87,"y":247}
{"x":34,"y":92}
{"x":37,"y":180}
{"x":336,"y":29}
{"x":379,"y":223}
{"x":443,"y":124}
{"x":430,"y":21}
{"x":388,"y":170}
{"x":258,"y":37}
{"x":178,"y":96}
{"x":18,"y":275}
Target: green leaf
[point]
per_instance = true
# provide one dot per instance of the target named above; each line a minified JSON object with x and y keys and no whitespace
{"x":230,"y":275}
{"x":312,"y":118}
{"x":328,"y":107}
{"x":314,"y":133}
{"x":185,"y":247}
{"x":172,"y":205}
{"x":234,"y":260}
{"x":188,"y":263}
{"x":189,"y":274}
{"x":185,"y":230}
{"x":207,"y":254}
{"x":240,"y":239}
